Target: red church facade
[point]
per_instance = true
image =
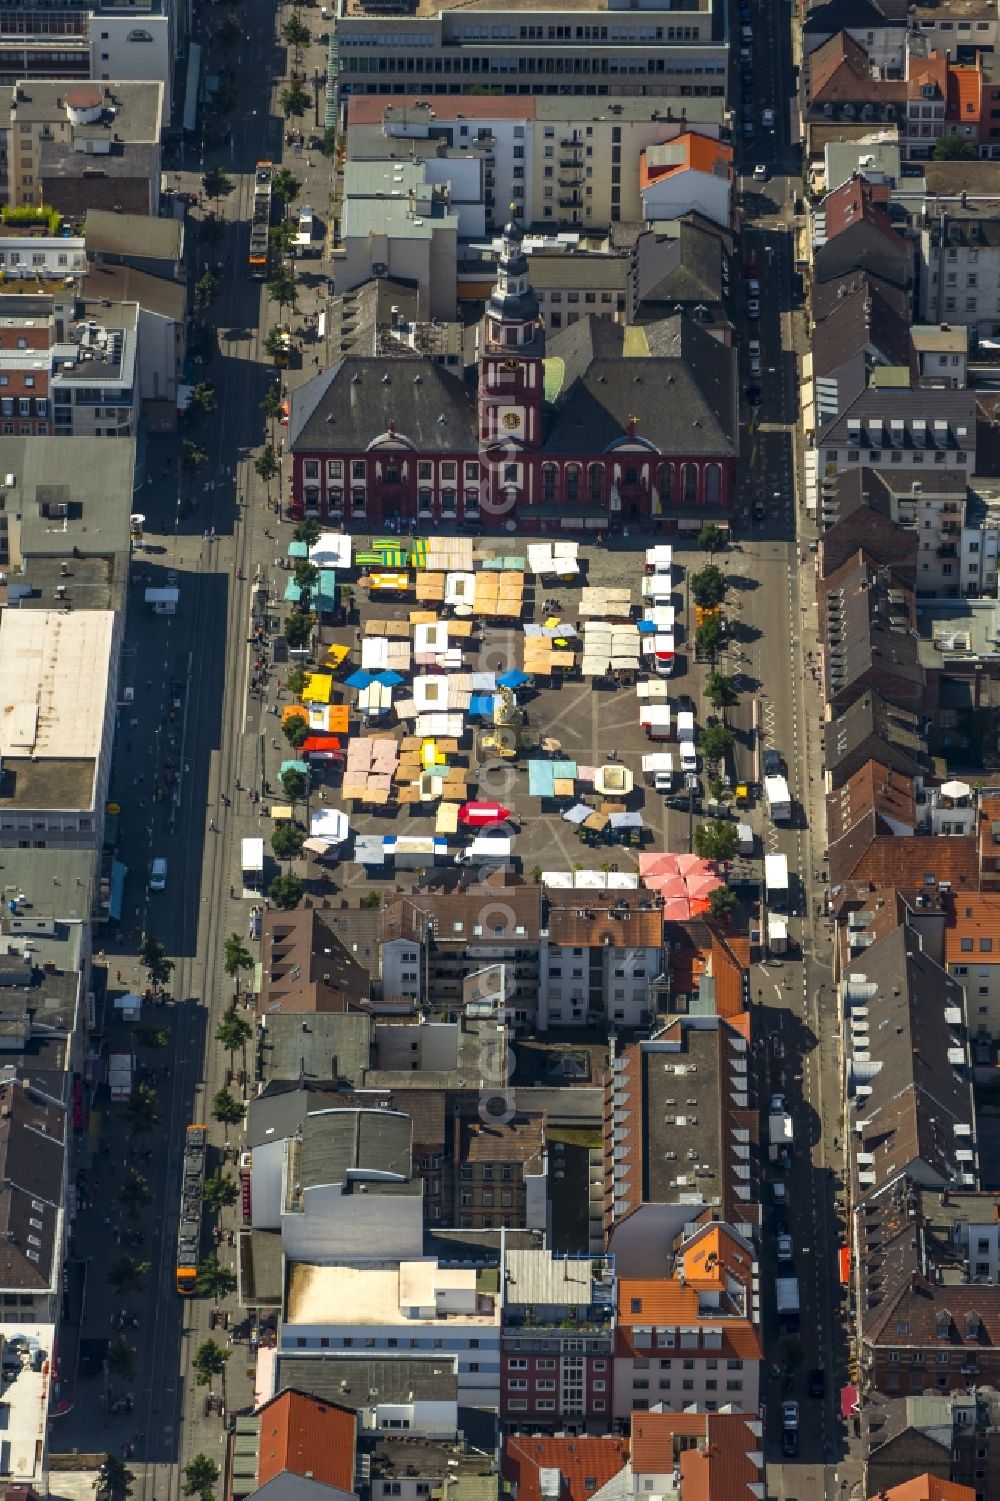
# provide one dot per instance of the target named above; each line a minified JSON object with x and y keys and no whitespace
{"x":601,"y":427}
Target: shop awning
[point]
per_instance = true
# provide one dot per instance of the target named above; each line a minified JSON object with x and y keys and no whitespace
{"x":844,"y":1258}
{"x":118,"y":874}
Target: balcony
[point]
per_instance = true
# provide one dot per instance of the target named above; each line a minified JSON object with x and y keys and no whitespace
{"x":574,"y":201}
{"x":947,"y":550}
{"x":571,"y":159}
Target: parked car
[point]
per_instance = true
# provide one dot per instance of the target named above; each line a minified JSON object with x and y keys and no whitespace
{"x":771,"y":761}
{"x":784,"y":1247}
{"x":753,"y":308}
{"x":760,"y":172}
{"x":777,"y":1104}
{"x":768,"y":119}
{"x":816,"y":1383}
{"x":790,"y":1415}
{"x":755,"y":366}
{"x":789,"y":1442}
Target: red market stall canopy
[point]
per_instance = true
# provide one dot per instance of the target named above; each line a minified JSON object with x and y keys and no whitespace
{"x":475,"y":814}
{"x":323,"y":747}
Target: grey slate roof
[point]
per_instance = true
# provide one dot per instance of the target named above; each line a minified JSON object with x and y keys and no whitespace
{"x":956,"y":408}
{"x":282,"y":1107}
{"x":917,"y":1095}
{"x":338,"y":1142}
{"x":427,"y":405}
{"x":854,"y":15}
{"x":860,"y":321}
{"x":682,"y":394}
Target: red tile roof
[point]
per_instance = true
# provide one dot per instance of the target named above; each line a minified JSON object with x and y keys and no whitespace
{"x":714,"y":1452}
{"x":306,"y":1435}
{"x":701,"y":154}
{"x":929,"y":1488}
{"x":584,"y":1464}
{"x":859,"y":201}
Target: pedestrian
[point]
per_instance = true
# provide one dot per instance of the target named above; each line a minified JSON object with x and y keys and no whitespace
{"x":232,"y":891}
{"x":118,"y":975}
{"x":211,"y":826}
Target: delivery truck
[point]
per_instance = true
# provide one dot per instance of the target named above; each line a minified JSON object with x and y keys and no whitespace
{"x":776,"y":882}
{"x":786,"y":1291}
{"x":487,"y":848}
{"x":778,"y":799}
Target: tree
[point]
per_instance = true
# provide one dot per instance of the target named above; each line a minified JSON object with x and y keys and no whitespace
{"x":135,"y":1192}
{"x":708,"y":588}
{"x":328,"y":146}
{"x":372,"y":901}
{"x":722,"y":903}
{"x":221,"y":1190}
{"x":298,"y":628}
{"x":216,"y":184}
{"x":281,"y":288}
{"x":211,"y":230}
{"x":296,"y":729}
{"x":230,"y":32}
{"x":266,"y":465}
{"x":716,"y":841}
{"x":715,"y":741}
{"x":296,"y":681}
{"x":712,"y":539}
{"x":295,"y":783}
{"x":296,"y":34}
{"x":236,"y":956}
{"x":200,"y":1475}
{"x":287,"y":841}
{"x":308,"y":531}
{"x":119,"y":1359}
{"x":202,"y":401}
{"x":286,"y":186}
{"x":719,"y":690}
{"x":282,"y":237}
{"x":952,"y":148}
{"x":214,"y":1281}
{"x":227,"y":1110}
{"x":233,"y":1031}
{"x":153,"y":958}
{"x":271,"y":405}
{"x":126,"y":1275}
{"x":305,"y":574}
{"x":140,"y":1112}
{"x":193,"y":456}
{"x":152,"y":1037}
{"x":115,"y":1479}
{"x":285,"y":892}
{"x":709,"y":637}
{"x":294,"y":101}
{"x":206,"y":290}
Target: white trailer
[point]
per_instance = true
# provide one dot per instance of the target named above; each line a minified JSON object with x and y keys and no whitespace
{"x":487,"y":847}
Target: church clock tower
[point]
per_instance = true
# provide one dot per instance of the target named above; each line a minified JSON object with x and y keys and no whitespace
{"x":510,"y":362}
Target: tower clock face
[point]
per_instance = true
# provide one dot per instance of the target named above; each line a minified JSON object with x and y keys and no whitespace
{"x":511,"y":421}
{"x":511,"y":365}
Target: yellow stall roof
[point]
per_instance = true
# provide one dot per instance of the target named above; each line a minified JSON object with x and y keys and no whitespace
{"x":318,"y":688}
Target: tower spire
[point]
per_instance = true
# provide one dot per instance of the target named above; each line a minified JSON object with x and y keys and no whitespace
{"x":512,"y":320}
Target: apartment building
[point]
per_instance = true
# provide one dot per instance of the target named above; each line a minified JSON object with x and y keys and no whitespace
{"x":563,"y":1467}
{"x":82,"y":146}
{"x":413,"y":1307}
{"x":439,"y":50}
{"x":954,"y":1436}
{"x":692,"y":174}
{"x":680,"y":1132}
{"x":691,"y":1339}
{"x":958,"y":269}
{"x":972,"y":956}
{"x":940,"y":355}
{"x":60,"y":675}
{"x":601,"y":961}
{"x":502,"y":1174}
{"x":716,"y":1455}
{"x":917,"y":430}
{"x":557,"y":1341}
{"x":568,"y":162}
{"x":295,"y":1437}
{"x":432,"y":939}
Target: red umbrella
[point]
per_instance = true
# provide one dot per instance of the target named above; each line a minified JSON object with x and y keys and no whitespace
{"x":480,"y":813}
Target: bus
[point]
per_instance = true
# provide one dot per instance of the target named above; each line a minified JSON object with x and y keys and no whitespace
{"x":189,"y":1225}
{"x":252,"y":862}
{"x":260,"y":226}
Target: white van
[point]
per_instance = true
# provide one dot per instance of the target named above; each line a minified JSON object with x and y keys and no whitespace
{"x":158,"y":875}
{"x":688,"y":755}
